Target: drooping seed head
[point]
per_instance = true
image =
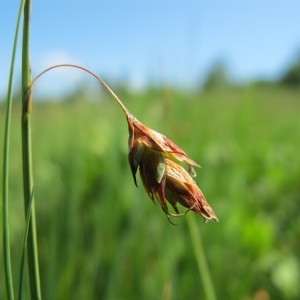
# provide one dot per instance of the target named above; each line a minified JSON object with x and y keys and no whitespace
{"x":157,"y":159}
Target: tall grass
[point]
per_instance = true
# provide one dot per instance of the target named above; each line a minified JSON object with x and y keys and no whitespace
{"x":28,"y":186}
{"x":5,"y":194}
{"x":96,"y":240}
{"x":33,"y":262}
{"x":27,"y":164}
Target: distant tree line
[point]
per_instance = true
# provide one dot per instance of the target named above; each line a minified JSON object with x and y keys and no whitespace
{"x":218,"y":76}
{"x":292,"y":75}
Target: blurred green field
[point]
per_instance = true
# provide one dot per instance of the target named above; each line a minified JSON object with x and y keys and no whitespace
{"x":102,"y":238}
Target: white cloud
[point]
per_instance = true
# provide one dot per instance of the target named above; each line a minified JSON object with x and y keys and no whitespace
{"x":137,"y":82}
{"x":59,"y":81}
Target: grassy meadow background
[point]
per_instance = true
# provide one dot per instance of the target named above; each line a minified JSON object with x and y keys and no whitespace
{"x":99,"y":237}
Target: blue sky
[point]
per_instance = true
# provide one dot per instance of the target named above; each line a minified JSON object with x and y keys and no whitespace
{"x":172,"y":42}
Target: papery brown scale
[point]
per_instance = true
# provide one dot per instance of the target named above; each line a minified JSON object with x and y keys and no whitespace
{"x":182,"y":188}
{"x":152,"y":171}
{"x":157,"y":142}
{"x":160,"y":195}
{"x":134,"y":156}
{"x":176,"y":151}
{"x":146,"y":135}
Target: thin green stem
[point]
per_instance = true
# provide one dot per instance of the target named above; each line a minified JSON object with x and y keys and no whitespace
{"x":6,"y":242}
{"x":200,"y":257}
{"x":28,"y":215}
{"x":32,"y":249}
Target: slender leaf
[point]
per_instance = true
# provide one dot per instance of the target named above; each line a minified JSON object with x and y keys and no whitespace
{"x":200,"y":257}
{"x":33,"y":264}
{"x":25,"y":245}
{"x":6,"y":242}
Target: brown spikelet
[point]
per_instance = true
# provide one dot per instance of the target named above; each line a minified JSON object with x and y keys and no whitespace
{"x":157,"y":159}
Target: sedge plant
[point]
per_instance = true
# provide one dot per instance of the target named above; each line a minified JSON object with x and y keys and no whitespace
{"x":157,"y":158}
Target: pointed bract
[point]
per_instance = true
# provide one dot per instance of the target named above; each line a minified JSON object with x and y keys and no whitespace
{"x":157,"y":142}
{"x":180,"y":187}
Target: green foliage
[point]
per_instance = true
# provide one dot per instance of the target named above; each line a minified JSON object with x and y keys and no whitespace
{"x":217,"y":77}
{"x":292,"y":76}
{"x":99,"y":237}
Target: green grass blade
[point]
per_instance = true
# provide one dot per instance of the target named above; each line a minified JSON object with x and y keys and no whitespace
{"x":33,"y":265}
{"x":25,"y":245}
{"x":6,"y":243}
{"x":200,"y":257}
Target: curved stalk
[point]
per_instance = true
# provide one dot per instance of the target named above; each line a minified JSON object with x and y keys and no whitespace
{"x":125,"y":110}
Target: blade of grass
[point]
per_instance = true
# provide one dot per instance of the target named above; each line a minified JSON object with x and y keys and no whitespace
{"x":33,"y":265}
{"x":200,"y":257}
{"x":28,"y":215}
{"x":6,"y":243}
